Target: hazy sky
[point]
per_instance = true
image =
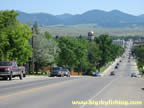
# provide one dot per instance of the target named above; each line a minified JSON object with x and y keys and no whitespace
{"x":135,"y":7}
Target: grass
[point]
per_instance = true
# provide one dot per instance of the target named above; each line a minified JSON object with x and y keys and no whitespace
{"x":105,"y":67}
{"x":83,"y":29}
{"x":39,"y":74}
{"x":36,"y":75}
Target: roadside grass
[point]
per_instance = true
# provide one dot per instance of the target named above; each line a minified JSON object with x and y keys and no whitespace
{"x":39,"y":74}
{"x":105,"y":67}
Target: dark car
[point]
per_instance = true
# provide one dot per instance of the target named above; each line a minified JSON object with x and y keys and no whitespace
{"x":57,"y":71}
{"x":116,"y":67}
{"x":93,"y":74}
{"x":112,"y":73}
{"x":96,"y":74}
{"x":66,"y":72}
{"x":117,"y":64}
{"x":133,"y":74}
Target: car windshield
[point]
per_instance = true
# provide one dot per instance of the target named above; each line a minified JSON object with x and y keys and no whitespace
{"x":5,"y":64}
{"x":65,"y":69}
{"x":56,"y":68}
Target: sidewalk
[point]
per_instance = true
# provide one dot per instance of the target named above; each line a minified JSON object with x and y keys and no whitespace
{"x":111,"y":67}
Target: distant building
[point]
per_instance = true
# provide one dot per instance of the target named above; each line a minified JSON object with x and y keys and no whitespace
{"x":137,"y":43}
{"x":119,"y":42}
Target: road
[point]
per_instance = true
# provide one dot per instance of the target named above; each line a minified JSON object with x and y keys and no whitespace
{"x":60,"y":92}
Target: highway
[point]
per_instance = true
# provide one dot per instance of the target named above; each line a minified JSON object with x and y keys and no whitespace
{"x":60,"y":92}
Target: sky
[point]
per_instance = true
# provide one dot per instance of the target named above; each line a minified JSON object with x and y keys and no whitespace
{"x":56,"y":7}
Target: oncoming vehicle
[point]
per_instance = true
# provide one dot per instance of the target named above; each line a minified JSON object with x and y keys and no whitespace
{"x":66,"y":72}
{"x":116,"y":67}
{"x":112,"y":73}
{"x":9,"y":69}
{"x":117,"y":64}
{"x":133,"y":74}
{"x":57,"y":71}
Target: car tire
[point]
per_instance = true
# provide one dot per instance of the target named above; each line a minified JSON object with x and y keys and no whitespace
{"x":5,"y":78}
{"x":24,"y":75}
{"x":21,"y":76}
{"x":51,"y":75}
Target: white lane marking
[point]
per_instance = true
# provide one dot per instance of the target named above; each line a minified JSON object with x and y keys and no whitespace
{"x":100,"y":92}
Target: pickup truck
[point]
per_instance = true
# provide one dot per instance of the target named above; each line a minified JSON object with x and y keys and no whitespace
{"x":10,"y":69}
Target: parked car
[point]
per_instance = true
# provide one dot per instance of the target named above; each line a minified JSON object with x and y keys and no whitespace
{"x":10,"y":69}
{"x":116,"y":67}
{"x":66,"y":72}
{"x":112,"y":73}
{"x":98,"y":74}
{"x":133,"y":74}
{"x":117,"y":64}
{"x":57,"y":71}
{"x":93,"y":73}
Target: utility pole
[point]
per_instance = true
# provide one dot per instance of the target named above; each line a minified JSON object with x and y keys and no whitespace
{"x":32,"y":50}
{"x":33,"y":54}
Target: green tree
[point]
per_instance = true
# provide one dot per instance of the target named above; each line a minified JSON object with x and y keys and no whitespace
{"x":74,"y":52}
{"x":48,"y":35}
{"x":94,"y":55}
{"x":139,"y":53}
{"x":45,"y":51}
{"x":14,"y":38}
{"x":81,"y":52}
{"x":109,"y":51}
{"x":35,"y":28}
{"x":105,"y":44}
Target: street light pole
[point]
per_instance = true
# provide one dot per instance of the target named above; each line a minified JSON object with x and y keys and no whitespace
{"x":32,"y":50}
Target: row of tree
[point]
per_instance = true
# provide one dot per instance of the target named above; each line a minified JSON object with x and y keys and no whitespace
{"x":20,"y":42}
{"x":83,"y":55}
{"x":139,"y":53}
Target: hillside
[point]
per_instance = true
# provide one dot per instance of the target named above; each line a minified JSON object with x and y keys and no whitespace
{"x":101,"y":18}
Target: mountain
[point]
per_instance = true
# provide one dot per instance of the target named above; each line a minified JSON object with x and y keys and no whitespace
{"x":64,"y":16}
{"x":41,"y":18}
{"x":114,"y":18}
{"x":142,"y":16}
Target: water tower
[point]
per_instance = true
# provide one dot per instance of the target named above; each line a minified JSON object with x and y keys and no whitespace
{"x":90,"y":35}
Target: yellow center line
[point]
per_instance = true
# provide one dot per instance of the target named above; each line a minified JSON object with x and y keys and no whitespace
{"x":37,"y":89}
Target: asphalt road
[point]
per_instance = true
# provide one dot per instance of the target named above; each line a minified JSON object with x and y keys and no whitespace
{"x":60,"y":92}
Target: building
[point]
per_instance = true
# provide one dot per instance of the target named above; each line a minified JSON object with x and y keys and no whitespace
{"x":119,"y":42}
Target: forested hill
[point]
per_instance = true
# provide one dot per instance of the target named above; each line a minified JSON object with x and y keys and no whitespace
{"x":101,"y":18}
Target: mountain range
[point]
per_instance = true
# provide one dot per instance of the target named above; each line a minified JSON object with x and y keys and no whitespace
{"x":114,"y":18}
